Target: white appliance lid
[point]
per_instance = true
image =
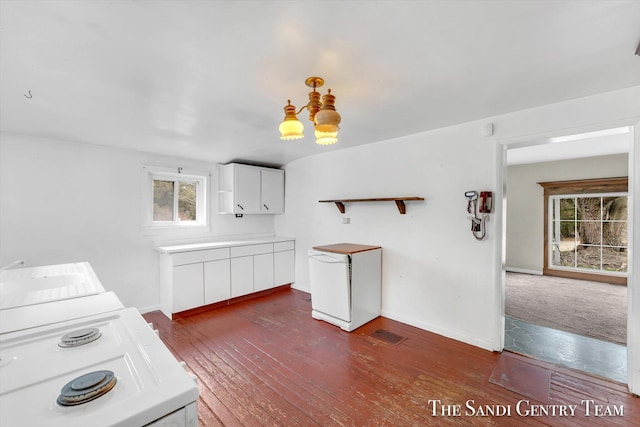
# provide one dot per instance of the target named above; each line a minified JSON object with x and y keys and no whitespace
{"x":31,"y":316}
{"x":20,"y":287}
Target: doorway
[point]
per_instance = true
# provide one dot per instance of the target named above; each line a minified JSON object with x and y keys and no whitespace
{"x":557,"y":159}
{"x":593,"y":348}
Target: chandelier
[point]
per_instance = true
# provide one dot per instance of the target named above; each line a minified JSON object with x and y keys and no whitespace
{"x":323,"y":114}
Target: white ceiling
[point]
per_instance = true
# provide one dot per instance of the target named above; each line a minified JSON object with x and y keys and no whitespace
{"x":600,"y":143}
{"x":208,"y":79}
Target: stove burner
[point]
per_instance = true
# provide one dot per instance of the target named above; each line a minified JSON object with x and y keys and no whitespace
{"x":79,"y":337}
{"x":86,"y":388}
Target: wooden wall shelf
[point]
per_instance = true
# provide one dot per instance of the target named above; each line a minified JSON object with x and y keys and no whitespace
{"x":399,"y":202}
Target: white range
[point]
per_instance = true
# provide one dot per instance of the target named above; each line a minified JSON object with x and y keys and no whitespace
{"x":123,"y":371}
{"x":72,"y":355}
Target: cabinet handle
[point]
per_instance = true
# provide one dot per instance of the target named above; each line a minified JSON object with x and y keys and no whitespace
{"x":240,"y":206}
{"x":267,"y":207}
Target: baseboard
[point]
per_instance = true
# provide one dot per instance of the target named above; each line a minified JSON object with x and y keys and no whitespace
{"x":226,"y":303}
{"x":299,"y":288}
{"x":523,"y":271}
{"x":475,"y":341}
{"x":149,"y":309}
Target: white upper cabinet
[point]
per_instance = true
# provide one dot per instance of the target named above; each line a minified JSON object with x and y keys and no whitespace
{"x":272,"y":191}
{"x":245,"y":189}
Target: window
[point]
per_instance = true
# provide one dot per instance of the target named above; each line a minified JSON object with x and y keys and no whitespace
{"x":586,"y":229}
{"x":177,"y":199}
{"x":589,"y":233}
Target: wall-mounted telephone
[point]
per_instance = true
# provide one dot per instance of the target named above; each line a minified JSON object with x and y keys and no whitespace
{"x":486,"y":199}
{"x":483,"y":205}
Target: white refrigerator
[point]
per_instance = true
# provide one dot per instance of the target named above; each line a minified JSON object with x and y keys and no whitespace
{"x":345,"y":284}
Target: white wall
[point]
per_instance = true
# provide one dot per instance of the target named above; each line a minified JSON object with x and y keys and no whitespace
{"x":66,"y":202}
{"x":525,"y":206}
{"x":435,"y":274}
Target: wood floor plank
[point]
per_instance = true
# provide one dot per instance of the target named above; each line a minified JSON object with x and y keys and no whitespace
{"x":313,"y":368}
{"x":210,"y":405}
{"x":267,"y":362}
{"x":292,"y":388}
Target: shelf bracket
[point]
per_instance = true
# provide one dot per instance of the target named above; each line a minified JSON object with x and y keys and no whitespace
{"x":401,"y":207}
{"x":340,"y":206}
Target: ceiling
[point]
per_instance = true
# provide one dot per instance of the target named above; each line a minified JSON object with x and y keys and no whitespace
{"x":599,"y":143}
{"x":208,"y":80}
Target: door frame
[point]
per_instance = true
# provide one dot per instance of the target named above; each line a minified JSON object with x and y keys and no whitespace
{"x":633,"y":278}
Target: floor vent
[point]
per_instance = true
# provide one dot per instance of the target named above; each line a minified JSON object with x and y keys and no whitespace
{"x":386,"y":336}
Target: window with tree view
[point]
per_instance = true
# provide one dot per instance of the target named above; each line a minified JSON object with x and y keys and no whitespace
{"x":588,"y":232}
{"x":176,"y":199}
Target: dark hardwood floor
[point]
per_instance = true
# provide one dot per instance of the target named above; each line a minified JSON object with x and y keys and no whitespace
{"x":267,"y":362}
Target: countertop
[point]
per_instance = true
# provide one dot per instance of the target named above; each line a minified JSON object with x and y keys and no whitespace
{"x":225,"y":244}
{"x":346,"y":248}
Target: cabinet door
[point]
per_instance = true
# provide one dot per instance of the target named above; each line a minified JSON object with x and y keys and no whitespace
{"x":284,"y":268}
{"x":241,"y":276}
{"x":262,"y":272}
{"x":246,"y":189}
{"x":187,"y":287}
{"x":272,"y":191}
{"x":217,"y":281}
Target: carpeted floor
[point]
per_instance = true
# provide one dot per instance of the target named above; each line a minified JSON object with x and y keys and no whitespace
{"x":593,"y":309}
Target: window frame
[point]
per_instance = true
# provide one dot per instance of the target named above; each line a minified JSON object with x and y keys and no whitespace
{"x":176,"y":175}
{"x":580,"y":188}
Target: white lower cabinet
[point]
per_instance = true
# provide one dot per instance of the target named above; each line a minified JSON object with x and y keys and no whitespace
{"x":251,"y":274}
{"x":198,"y":277}
{"x":200,"y":284}
{"x":217,"y":281}
{"x":263,"y":272}
{"x":241,"y":276}
{"x":284,"y":267}
{"x":188,"y":293}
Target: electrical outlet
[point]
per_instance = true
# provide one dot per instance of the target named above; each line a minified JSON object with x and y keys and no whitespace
{"x":346,"y":220}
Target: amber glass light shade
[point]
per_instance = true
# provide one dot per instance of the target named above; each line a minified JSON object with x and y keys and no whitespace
{"x":291,"y":127}
{"x":326,"y":138}
{"x":327,"y":121}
